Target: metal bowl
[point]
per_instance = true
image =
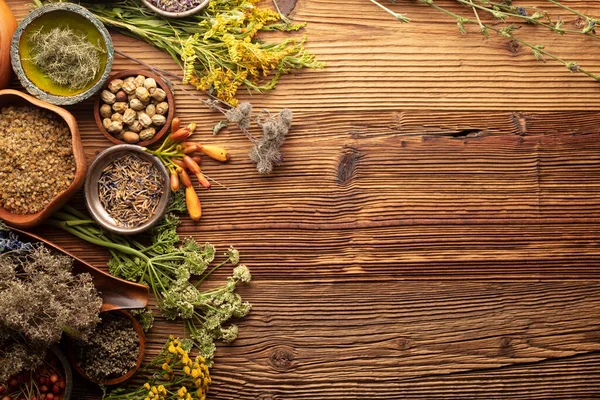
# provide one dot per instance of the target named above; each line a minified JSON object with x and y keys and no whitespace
{"x":168,"y":14}
{"x":92,"y":200}
{"x":67,"y":9}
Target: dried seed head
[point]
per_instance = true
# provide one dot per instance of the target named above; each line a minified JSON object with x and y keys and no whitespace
{"x":105,"y":111}
{"x":159,"y":95}
{"x":115,"y":85}
{"x":108,"y":97}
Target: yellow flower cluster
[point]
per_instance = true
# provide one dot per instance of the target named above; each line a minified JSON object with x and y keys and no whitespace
{"x":155,"y":392}
{"x":195,"y":371}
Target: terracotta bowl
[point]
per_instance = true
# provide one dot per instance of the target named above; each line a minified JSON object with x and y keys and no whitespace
{"x":25,"y":221}
{"x":129,"y":374}
{"x":160,"y":83}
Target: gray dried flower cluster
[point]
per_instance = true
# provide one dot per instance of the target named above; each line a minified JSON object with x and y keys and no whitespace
{"x":39,"y":299}
{"x":266,"y":152}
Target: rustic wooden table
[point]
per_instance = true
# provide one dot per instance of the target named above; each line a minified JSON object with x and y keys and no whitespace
{"x":434,"y":230}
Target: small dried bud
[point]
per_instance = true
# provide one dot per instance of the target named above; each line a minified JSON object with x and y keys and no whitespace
{"x":106,"y":123}
{"x":120,"y":107}
{"x":115,"y":127}
{"x":136,"y":126}
{"x":117,"y":117}
{"x":145,"y":120}
{"x":159,"y":120}
{"x":128,"y":79}
{"x":105,"y":111}
{"x":150,"y":83}
{"x":151,"y":110}
{"x":131,"y":96}
{"x":115,"y":85}
{"x":131,"y":137}
{"x":122,"y":96}
{"x":139,"y":80}
{"x":136,"y":104}
{"x":159,"y":95}
{"x":142,"y":94}
{"x":108,"y":97}
{"x":162,"y":108}
{"x":129,"y":116}
{"x":147,"y":134}
{"x":129,"y":87}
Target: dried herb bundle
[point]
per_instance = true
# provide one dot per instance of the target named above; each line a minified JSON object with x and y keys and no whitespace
{"x":67,"y":57}
{"x":39,"y":299}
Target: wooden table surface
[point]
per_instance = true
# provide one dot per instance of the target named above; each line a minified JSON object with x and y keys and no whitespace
{"x":434,"y":231}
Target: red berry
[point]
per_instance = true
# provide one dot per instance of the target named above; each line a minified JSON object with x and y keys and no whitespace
{"x":21,"y":377}
{"x":53,"y":378}
{"x":55,"y":389}
{"x":61,"y":384}
{"x":43,"y":380}
{"x":7,"y":398}
{"x":13,"y":382}
{"x":49,"y":396}
{"x":2,"y":390}
{"x":34,"y":398}
{"x":43,"y":388}
{"x":42,"y":396}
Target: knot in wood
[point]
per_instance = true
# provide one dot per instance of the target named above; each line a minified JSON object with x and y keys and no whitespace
{"x":507,"y":348}
{"x":347,"y":165}
{"x":281,"y":358}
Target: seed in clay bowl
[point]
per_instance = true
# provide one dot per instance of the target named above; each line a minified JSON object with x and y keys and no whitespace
{"x":136,"y":105}
{"x":159,"y":95}
{"x":129,"y":79}
{"x":131,"y":137}
{"x":115,"y":85}
{"x":120,"y":107}
{"x":129,"y":116}
{"x":162,"y":108}
{"x":136,"y":126}
{"x":108,"y":97}
{"x":129,"y":87}
{"x":122,"y":96}
{"x":147,"y":134}
{"x":139,"y":80}
{"x":142,"y":94}
{"x":117,"y":117}
{"x":106,"y":123}
{"x":115,"y":127}
{"x":105,"y":111}
{"x":150,"y":110}
{"x":149,"y":83}
{"x":145,"y":120}
{"x":159,"y":120}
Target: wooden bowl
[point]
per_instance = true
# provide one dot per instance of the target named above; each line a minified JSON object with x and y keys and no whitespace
{"x":25,"y":221}
{"x":114,"y":381}
{"x":182,"y":14}
{"x":160,"y":83}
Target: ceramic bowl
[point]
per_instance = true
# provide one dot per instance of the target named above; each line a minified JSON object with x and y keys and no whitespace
{"x":59,"y":14}
{"x":68,"y":374}
{"x":25,"y":221}
{"x":160,"y":83}
{"x":120,"y":379}
{"x":92,"y":200}
{"x":182,"y":14}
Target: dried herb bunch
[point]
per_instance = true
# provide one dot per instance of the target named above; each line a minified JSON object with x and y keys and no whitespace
{"x":67,"y":57}
{"x":505,"y":18}
{"x":172,"y":375}
{"x":217,"y":48}
{"x":111,"y":351}
{"x":167,"y":267}
{"x":39,"y":299}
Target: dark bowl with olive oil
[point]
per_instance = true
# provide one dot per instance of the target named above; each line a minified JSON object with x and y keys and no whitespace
{"x":73,"y":32}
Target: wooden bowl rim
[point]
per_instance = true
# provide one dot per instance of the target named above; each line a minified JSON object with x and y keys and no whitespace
{"x":26,"y":221}
{"x":120,"y":379}
{"x":160,"y":82}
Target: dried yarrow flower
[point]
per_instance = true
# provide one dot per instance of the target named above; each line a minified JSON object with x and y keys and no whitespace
{"x":39,"y":300}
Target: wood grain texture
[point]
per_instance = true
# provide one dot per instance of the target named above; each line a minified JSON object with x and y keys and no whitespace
{"x":434,"y":231}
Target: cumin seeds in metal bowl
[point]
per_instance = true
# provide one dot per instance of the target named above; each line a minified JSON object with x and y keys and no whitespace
{"x":129,"y":190}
